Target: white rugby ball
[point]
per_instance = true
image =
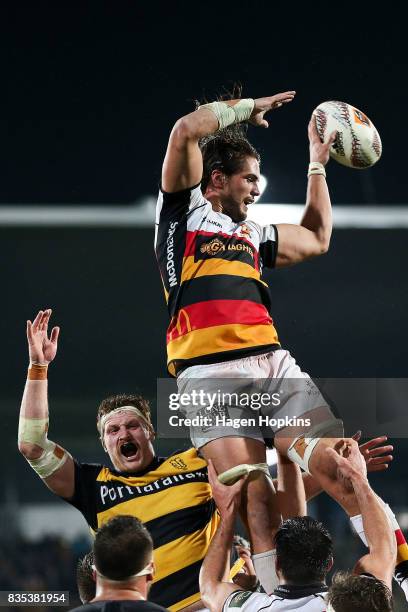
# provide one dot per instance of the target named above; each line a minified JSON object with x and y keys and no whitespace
{"x":358,"y":144}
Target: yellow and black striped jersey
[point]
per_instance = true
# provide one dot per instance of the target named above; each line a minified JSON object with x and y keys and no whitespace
{"x":172,"y":498}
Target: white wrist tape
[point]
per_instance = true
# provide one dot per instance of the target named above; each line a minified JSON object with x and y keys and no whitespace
{"x":357,"y":524}
{"x":34,"y":431}
{"x":303,"y":446}
{"x":227,"y":115}
{"x":316,"y":168}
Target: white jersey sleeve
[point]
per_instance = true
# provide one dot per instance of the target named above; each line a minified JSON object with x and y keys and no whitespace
{"x":247,"y":601}
{"x":268,"y":243}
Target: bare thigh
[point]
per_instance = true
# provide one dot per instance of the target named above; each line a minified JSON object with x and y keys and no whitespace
{"x":225,"y":453}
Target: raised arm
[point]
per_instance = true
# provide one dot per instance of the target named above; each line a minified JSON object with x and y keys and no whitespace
{"x":183,"y":164}
{"x":51,"y":462}
{"x":312,"y":236}
{"x":380,"y":560}
{"x":214,"y":572}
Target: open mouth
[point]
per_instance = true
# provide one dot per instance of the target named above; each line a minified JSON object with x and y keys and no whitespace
{"x":129,"y":450}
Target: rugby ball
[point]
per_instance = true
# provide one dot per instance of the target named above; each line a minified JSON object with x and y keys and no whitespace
{"x":358,"y":144}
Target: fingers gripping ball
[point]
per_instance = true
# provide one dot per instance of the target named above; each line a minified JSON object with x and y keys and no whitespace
{"x":357,"y":144}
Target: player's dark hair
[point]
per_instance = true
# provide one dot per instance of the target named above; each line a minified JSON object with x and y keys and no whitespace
{"x":122,"y":547}
{"x":227,"y":149}
{"x":116,"y":401}
{"x":85,"y":578}
{"x":353,"y":593}
{"x":304,"y":550}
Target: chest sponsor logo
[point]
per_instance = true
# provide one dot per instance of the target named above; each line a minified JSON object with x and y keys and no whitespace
{"x":112,"y":493}
{"x":213,"y":247}
{"x":225,"y":248}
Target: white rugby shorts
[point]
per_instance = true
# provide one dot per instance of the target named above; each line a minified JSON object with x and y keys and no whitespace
{"x":230,"y":402}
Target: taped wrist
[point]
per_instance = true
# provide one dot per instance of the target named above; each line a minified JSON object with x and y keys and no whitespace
{"x":34,"y":431}
{"x":227,"y":115}
{"x":37,"y":371}
{"x":316,"y":168}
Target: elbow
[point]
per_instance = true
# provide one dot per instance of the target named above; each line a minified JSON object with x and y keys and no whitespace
{"x":323,"y":245}
{"x":29,"y":451}
{"x":205,"y":589}
{"x":183,"y":130}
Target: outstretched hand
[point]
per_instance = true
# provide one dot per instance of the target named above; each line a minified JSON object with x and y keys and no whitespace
{"x":42,"y":349}
{"x":351,"y":462}
{"x":263,"y":105}
{"x":227,"y":497}
{"x":376,"y":454}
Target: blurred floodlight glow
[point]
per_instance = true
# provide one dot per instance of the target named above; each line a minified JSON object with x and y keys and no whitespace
{"x":275,"y":213}
{"x":262,"y":186}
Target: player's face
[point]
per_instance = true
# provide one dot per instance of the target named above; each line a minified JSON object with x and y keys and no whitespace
{"x":128,"y":442}
{"x":240,"y":190}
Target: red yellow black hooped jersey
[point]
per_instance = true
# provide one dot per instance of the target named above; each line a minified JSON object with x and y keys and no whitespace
{"x":211,"y":270}
{"x":173,"y":499}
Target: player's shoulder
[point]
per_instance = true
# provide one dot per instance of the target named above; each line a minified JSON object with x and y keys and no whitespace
{"x":89,"y":469}
{"x":186,"y":460}
{"x":247,"y":601}
{"x":177,"y":203}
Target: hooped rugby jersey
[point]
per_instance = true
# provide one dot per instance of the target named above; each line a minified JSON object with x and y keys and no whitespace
{"x":172,"y":498}
{"x":211,"y":271}
{"x":286,"y":597}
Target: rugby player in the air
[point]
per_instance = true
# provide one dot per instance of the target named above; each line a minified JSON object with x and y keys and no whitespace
{"x":221,"y":332}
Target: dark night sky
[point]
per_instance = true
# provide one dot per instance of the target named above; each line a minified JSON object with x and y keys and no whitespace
{"x":90,"y":91}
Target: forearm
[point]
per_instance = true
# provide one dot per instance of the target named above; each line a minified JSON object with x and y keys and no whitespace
{"x":209,"y":118}
{"x":312,"y":486}
{"x":317,"y":216}
{"x":377,"y":528}
{"x":34,"y":405}
{"x":215,"y":568}
{"x":290,"y":490}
